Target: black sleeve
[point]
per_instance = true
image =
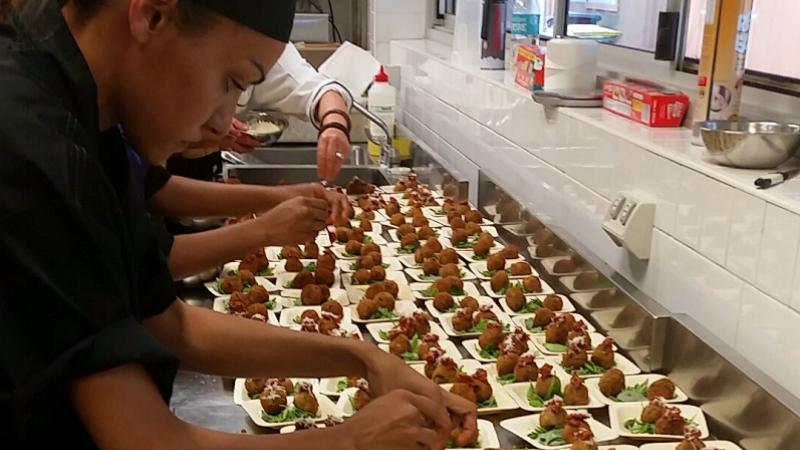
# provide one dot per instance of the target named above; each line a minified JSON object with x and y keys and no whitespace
{"x":155,"y":179}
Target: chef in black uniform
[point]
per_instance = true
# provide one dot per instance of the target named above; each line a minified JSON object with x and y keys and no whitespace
{"x":91,"y":329}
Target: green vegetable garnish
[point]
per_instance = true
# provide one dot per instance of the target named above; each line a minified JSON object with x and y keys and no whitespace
{"x":290,"y":414}
{"x":411,"y":354}
{"x":532,"y":306}
{"x":439,"y":212}
{"x":635,"y":393}
{"x":409,"y":249}
{"x":341,"y":385}
{"x":590,"y":368}
{"x":367,"y":239}
{"x":489,"y":353}
{"x":384,"y":313}
{"x":550,"y":438}
{"x":466,"y":245}
{"x":636,"y":426}
{"x":488,"y":273}
{"x":536,"y":400}
{"x":311,"y":267}
{"x":533,"y":329}
{"x":479,"y":258}
{"x":354,"y":265}
{"x":481,"y":326}
{"x":556,"y":348}
{"x":268,"y":272}
{"x":507,"y":378}
{"x":491,"y":403}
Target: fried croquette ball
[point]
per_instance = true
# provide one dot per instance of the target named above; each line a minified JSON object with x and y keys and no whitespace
{"x":399,"y":345}
{"x":386,"y":301}
{"x":419,"y":221}
{"x":482,"y":248}
{"x":576,"y":393}
{"x":612,"y":382}
{"x":553,"y":302}
{"x":370,"y":247}
{"x":603,"y":355}
{"x":510,"y":251}
{"x":472,"y":229}
{"x":378,"y":273}
{"x":291,"y":252}
{"x":499,"y":281}
{"x":547,"y":382}
{"x":360,"y":399}
{"x":274,"y":400}
{"x":532,"y":284}
{"x":481,"y":386}
{"x":495,"y":262}
{"x":324,"y":276}
{"x":506,"y":363}
{"x":428,"y":343}
{"x":423,"y":253}
{"x":247,"y":277}
{"x":231,"y":284}
{"x":663,"y":388}
{"x":377,"y":259}
{"x":450,"y":270}
{"x":367,"y":308}
{"x":515,"y":299}
{"x":564,"y":266}
{"x":486,"y":313}
{"x":293,"y":265}
{"x":425,"y":233}
{"x":448,"y":256}
{"x":306,"y":401}
{"x":474,"y":216}
{"x":362,"y":276}
{"x":311,"y":249}
{"x":545,"y":251}
{"x":256,"y":309}
{"x":365,"y":225}
{"x":310,"y":314}
{"x":238,"y":303}
{"x":326,"y":261}
{"x":333,"y":307}
{"x":285,"y":383}
{"x":576,"y":428}
{"x":443,"y":285}
{"x":357,"y":235}
{"x":405,"y":229}
{"x":258,"y":294}
{"x":443,"y":302}
{"x":434,"y":245}
{"x":459,"y":237}
{"x":328,"y":324}
{"x":492,"y":336}
{"x":456,"y":284}
{"x":457,"y":223}
{"x":464,"y":391}
{"x":312,"y":295}
{"x":521,"y":268}
{"x":366,"y":262}
{"x":462,"y":320}
{"x":553,"y":416}
{"x":469,"y":302}
{"x":409,"y":240}
{"x":653,"y":411}
{"x":255,"y":386}
{"x":574,"y":358}
{"x":392,"y":208}
{"x":251,"y":263}
{"x":671,"y":422}
{"x":431,"y":267}
{"x":445,"y":371}
{"x":353,"y":248}
{"x":302,"y":280}
{"x":367,"y":215}
{"x":586,"y":280}
{"x":374,"y":289}
{"x":397,"y":219}
{"x":526,"y":370}
{"x":391,"y":287}
{"x":543,"y":317}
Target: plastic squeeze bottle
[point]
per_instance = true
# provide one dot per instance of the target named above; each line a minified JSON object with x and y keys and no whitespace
{"x":382,"y":101}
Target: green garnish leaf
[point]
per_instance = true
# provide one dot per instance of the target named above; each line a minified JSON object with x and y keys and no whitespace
{"x":268,"y":272}
{"x":290,"y":414}
{"x":367,"y":239}
{"x":383,"y":334}
{"x":451,"y":443}
{"x":411,"y":354}
{"x":491,"y":403}
{"x":635,"y":393}
{"x":556,"y":348}
{"x":550,"y":438}
{"x":466,"y":245}
{"x":507,"y":378}
{"x":555,"y":388}
{"x":636,"y":426}
{"x":341,"y":385}
{"x":384,"y":313}
{"x":489,"y":353}
{"x":479,"y":258}
{"x":311,"y":267}
{"x":590,"y":368}
{"x":488,"y":273}
{"x":532,"y":306}
{"x":533,"y":329}
{"x":409,"y":249}
{"x":481,"y":326}
{"x":429,"y":292}
{"x":535,"y":399}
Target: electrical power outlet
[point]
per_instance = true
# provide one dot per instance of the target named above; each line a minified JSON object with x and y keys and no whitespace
{"x":630,"y":221}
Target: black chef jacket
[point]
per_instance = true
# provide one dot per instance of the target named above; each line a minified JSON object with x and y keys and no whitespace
{"x":81,"y":268}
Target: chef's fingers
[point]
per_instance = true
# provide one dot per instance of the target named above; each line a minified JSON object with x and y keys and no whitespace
{"x":432,"y":411}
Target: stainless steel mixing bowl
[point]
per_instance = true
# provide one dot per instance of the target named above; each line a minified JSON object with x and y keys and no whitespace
{"x":252,"y":118}
{"x":750,"y":145}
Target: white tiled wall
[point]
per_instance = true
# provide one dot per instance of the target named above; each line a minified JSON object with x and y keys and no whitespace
{"x":724,"y":256}
{"x":395,"y":19}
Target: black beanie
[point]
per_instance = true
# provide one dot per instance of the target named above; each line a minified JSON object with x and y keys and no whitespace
{"x":273,"y":18}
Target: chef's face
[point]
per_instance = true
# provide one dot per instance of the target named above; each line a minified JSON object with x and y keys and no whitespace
{"x":179,"y":83}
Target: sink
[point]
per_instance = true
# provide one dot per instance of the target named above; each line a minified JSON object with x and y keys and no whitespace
{"x":271,"y":175}
{"x":299,"y":156}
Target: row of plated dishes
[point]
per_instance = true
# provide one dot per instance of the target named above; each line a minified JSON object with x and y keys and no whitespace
{"x":427,"y":280}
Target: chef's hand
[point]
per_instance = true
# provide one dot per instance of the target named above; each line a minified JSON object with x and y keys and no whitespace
{"x":386,"y":372}
{"x":399,"y":420}
{"x":340,"y":209}
{"x":294,"y":221}
{"x":333,"y":149}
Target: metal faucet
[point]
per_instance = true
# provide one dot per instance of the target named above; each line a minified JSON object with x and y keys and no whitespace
{"x":390,"y":157}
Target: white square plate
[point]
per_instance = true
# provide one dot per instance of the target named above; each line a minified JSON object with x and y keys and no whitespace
{"x":375,"y":330}
{"x":447,"y":326}
{"x":566,"y":305}
{"x":254,"y":410}
{"x":345,"y":404}
{"x":549,"y":263}
{"x":448,"y":347}
{"x":292,"y":297}
{"x":233,"y":267}
{"x":356,"y":293}
{"x":504,"y":401}
{"x":594,"y":386}
{"x":620,"y":413}
{"x":491,"y":229}
{"x":539,"y":341}
{"x":393,"y":237}
{"x":569,"y":283}
{"x":288,"y":315}
{"x":521,"y":426}
{"x":280,"y":266}
{"x":521,"y":318}
{"x":221,"y":304}
{"x":398,"y":277}
{"x":482,"y":301}
{"x":417,"y":288}
{"x":532,"y":251}
{"x":284,"y":280}
{"x":419,"y":276}
{"x":262,"y":281}
{"x":400,"y":308}
{"x":389,"y":264}
{"x":471,"y":346}
{"x":624,"y":364}
{"x":487,"y":286}
{"x":519,"y":392}
{"x":240,"y":393}
{"x":517,"y":229}
{"x":408,"y":262}
{"x":479,"y":267}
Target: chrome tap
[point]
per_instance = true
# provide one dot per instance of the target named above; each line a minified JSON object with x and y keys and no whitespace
{"x":390,"y":157}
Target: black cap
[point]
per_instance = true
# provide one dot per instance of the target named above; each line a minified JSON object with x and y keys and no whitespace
{"x":273,"y":18}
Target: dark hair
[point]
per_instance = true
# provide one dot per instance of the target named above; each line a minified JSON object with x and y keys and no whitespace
{"x":193,"y":16}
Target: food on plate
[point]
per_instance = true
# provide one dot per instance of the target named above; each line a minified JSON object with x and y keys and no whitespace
{"x":435,"y":245}
{"x":293,"y":264}
{"x":361,"y":276}
{"x":353,"y":248}
{"x":583,"y":444}
{"x":575,"y":357}
{"x":492,"y":336}
{"x":448,"y":256}
{"x":457,"y":223}
{"x":454,"y":285}
{"x":463,"y":388}
{"x":532,"y":225}
{"x":474,"y":216}
{"x":365,"y":262}
{"x":423,"y":253}
{"x":377,"y":259}
{"x":291,"y":252}
{"x":459,"y":237}
{"x":450,"y":270}
{"x":586,"y":280}
{"x":397,"y":219}
{"x":328,"y":323}
{"x":603,"y":355}
{"x":519,"y":341}
{"x":543,"y":318}
{"x":554,"y":414}
{"x":326,"y":261}
{"x":576,"y":428}
{"x":409,"y":240}
{"x":231,"y":284}
{"x":367,"y":308}
{"x":370,"y":248}
{"x":532,"y":284}
{"x":557,"y":332}
{"x":580,"y":330}
{"x":515,"y":299}
{"x":386,"y":301}
{"x":324,"y":276}
{"x":547,"y":385}
{"x":472,"y":229}
{"x":429,"y":341}
{"x":362,"y":396}
{"x":419,"y":221}
{"x":392,"y":207}
{"x":342,"y":234}
{"x":499,"y":281}
{"x":400,"y":344}
{"x":274,"y":399}
{"x":255,"y":386}
{"x":475,"y":388}
{"x":506,"y":362}
{"x":691,"y":440}
{"x":544,"y":237}
{"x":444,"y":302}
{"x":494,"y":263}
{"x":357,"y":186}
{"x":310,"y":249}
{"x":469,"y":302}
{"x":564,"y":266}
{"x":256,"y":263}
{"x":431,"y":361}
{"x":314,"y":295}
{"x":521,"y":268}
{"x":545,"y":251}
{"x":510,"y":251}
{"x":481,"y":248}
{"x":391,"y":287}
{"x":576,"y":393}
{"x":365,"y":225}
{"x":671,"y":422}
{"x":446,"y":370}
{"x":526,"y":369}
{"x":378,"y":273}
{"x":653,"y":411}
{"x":305,"y":399}
{"x":485,"y":314}
{"x":416,"y":211}
{"x":309,"y":314}
{"x":430,"y":267}
{"x":612,"y":382}
{"x":367,"y":215}
{"x":553,"y":302}
{"x":462,"y":319}
{"x":426,"y":232}
{"x":302,"y":280}
{"x":663,"y":388}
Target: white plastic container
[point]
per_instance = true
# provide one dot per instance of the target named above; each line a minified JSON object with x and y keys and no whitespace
{"x":382,"y":101}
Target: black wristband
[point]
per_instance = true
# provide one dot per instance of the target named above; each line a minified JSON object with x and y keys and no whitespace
{"x":341,"y":113}
{"x":337,"y":126}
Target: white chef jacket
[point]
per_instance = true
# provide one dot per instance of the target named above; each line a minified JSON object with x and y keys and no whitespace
{"x":293,"y":87}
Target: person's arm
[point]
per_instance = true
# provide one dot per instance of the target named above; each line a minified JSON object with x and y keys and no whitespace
{"x":145,"y":422}
{"x":333,"y":145}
